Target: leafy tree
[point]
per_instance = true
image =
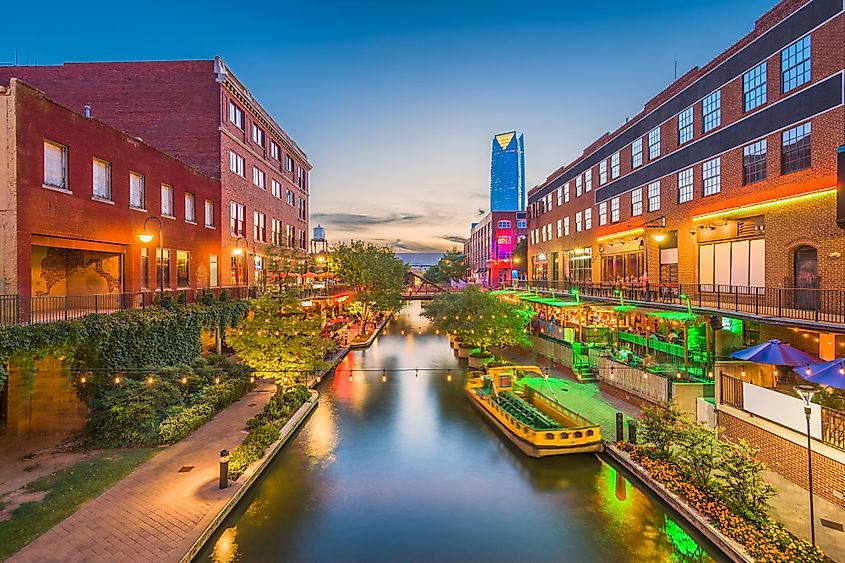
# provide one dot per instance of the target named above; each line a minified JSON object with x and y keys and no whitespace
{"x":743,"y":486}
{"x":279,"y":339}
{"x":660,"y":427}
{"x":480,"y":319}
{"x":697,"y":449}
{"x":450,"y":266}
{"x":373,"y":273}
{"x":520,"y":255}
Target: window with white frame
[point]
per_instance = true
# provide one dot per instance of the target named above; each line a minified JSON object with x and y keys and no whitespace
{"x":754,"y":87}
{"x":259,"y":226}
{"x":588,"y":218}
{"x":685,"y":126}
{"x":559,"y":228}
{"x":614,"y":165}
{"x":559,"y":197}
{"x":603,"y":213}
{"x":795,"y":64}
{"x":274,"y":150}
{"x":654,"y":196}
{"x":578,"y":186}
{"x":711,"y":111}
{"x":712,"y":174}
{"x":288,"y":163}
{"x":55,"y":165}
{"x":236,"y":115}
{"x":685,"y":185}
{"x":566,"y":193}
{"x":277,"y":233}
{"x":213,"y":271}
{"x":579,"y":222}
{"x":637,"y":202}
{"x":236,"y":163}
{"x":258,"y":177}
{"x":257,"y":135}
{"x":504,"y":224}
{"x":190,"y":208}
{"x":654,"y":143}
{"x":566,"y":226}
{"x":521,"y":224}
{"x":209,"y":213}
{"x":167,"y":200}
{"x":276,"y":188}
{"x":614,"y":210}
{"x":602,"y":172}
{"x":102,"y":179}
{"x":637,"y":153}
{"x":290,"y":198}
{"x":543,"y":233}
{"x":136,"y":190}
{"x":588,"y":180}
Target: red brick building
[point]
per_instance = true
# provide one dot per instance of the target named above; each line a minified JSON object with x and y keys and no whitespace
{"x":200,"y":113}
{"x":75,"y":193}
{"x":488,"y":253}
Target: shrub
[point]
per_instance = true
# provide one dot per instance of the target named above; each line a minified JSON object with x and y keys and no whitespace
{"x":743,"y":486}
{"x":222,"y":395}
{"x":697,"y":449}
{"x":253,"y":447}
{"x":660,"y":427}
{"x":480,"y":354}
{"x":186,"y":420}
{"x":500,"y":363}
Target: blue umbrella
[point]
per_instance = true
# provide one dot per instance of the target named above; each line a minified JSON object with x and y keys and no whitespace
{"x":830,"y":373}
{"x":776,"y":353}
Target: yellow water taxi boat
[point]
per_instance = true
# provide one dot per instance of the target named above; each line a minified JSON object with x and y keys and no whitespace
{"x":519,"y":401}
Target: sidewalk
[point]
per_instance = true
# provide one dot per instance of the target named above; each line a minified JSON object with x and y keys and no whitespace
{"x":150,"y":514}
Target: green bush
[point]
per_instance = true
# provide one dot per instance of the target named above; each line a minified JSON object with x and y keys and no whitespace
{"x":186,"y":420}
{"x":130,"y":414}
{"x":480,"y":354}
{"x":253,"y":447}
{"x":499,"y":363}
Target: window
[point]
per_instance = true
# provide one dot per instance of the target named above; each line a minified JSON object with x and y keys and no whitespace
{"x":258,"y":177}
{"x":276,"y":233}
{"x":614,"y":166}
{"x":145,"y":268}
{"x":654,"y":196}
{"x":504,"y":224}
{"x":637,"y":202}
{"x":213,"y":271}
{"x":522,"y":224}
{"x":603,"y":213}
{"x":302,"y":178}
{"x":588,"y":218}
{"x":288,"y":163}
{"x":566,"y":193}
{"x":578,"y":186}
{"x":102,"y":179}
{"x":588,"y":180}
{"x":237,"y":219}
{"x":259,"y":226}
{"x":163,"y":265}
{"x":685,"y":126}
{"x":795,"y":150}
{"x":190,"y":208}
{"x":543,"y":231}
{"x":236,"y":163}
{"x":602,"y":172}
{"x":290,"y":198}
{"x":566,"y":226}
{"x":685,"y":185}
{"x":711,"y":111}
{"x":276,"y":189}
{"x":136,"y":190}
{"x":559,"y":228}
{"x":754,"y":87}
{"x":795,"y":64}
{"x":739,"y":263}
{"x":654,"y":143}
{"x":614,"y":210}
{"x":559,"y":197}
{"x":290,"y":232}
{"x":236,"y":115}
{"x":637,"y":153}
{"x":579,"y":222}
{"x":712,"y":172}
{"x":167,"y":200}
{"x":55,"y":165}
{"x":274,"y":150}
{"x":257,"y":135}
{"x":209,"y":213}
{"x":754,"y":162}
{"x":183,"y":266}
{"x":303,"y":214}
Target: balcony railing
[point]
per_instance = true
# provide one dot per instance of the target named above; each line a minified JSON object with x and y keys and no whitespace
{"x":814,"y":305}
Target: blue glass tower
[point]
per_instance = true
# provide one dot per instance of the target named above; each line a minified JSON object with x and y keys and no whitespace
{"x":507,"y":173}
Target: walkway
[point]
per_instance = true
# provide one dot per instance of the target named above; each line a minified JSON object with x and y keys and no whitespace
{"x":161,"y":508}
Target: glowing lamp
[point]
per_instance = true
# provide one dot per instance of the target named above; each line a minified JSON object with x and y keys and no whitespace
{"x":145,"y":238}
{"x":237,"y":251}
{"x":659,"y":237}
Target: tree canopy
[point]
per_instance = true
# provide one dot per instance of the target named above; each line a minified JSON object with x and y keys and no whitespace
{"x":450,"y":266}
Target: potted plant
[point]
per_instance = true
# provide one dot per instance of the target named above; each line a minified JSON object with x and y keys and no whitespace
{"x":480,"y":358}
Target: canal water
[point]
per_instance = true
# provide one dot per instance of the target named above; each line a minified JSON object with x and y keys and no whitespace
{"x":406,"y":470}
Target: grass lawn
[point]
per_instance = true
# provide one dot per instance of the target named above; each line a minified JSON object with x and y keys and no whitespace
{"x":66,"y":490}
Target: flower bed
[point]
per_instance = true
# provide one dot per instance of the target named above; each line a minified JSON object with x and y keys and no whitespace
{"x":767,"y":541}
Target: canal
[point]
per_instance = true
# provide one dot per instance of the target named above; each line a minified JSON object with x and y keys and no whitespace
{"x":396,"y":465}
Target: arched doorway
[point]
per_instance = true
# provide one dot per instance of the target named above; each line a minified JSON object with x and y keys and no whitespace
{"x":805,"y":271}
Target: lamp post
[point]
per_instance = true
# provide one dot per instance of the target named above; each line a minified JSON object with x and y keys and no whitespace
{"x":806,"y":393}
{"x":146,"y":237}
{"x":237,"y":252}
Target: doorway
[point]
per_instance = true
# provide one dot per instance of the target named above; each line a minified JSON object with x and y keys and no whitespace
{"x":806,"y":275}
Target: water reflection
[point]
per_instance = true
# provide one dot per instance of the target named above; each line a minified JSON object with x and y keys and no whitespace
{"x":405,"y":469}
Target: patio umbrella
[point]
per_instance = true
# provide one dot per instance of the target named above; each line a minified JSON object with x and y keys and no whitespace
{"x":776,"y":353}
{"x":310,"y":275}
{"x":830,"y":373}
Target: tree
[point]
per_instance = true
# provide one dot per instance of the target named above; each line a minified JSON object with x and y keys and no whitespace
{"x":278,"y":338}
{"x":450,"y":266}
{"x":660,"y":427}
{"x":743,"y":486}
{"x":480,"y":319}
{"x":520,"y":255}
{"x":373,"y":273}
{"x":697,"y":449}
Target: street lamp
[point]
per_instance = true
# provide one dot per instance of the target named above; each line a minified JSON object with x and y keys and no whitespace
{"x":806,"y":393}
{"x":237,"y":252}
{"x":146,"y":237}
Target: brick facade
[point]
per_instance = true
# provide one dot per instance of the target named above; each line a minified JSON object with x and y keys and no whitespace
{"x":489,"y":249}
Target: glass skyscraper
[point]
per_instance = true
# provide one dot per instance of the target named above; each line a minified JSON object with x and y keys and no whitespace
{"x":507,"y":173}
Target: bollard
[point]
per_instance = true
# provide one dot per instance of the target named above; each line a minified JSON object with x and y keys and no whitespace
{"x":632,"y":431}
{"x":620,"y":428}
{"x":224,"y":469}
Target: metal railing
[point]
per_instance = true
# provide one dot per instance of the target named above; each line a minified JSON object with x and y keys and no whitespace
{"x":730,"y":391}
{"x":833,"y":427}
{"x":815,"y":305}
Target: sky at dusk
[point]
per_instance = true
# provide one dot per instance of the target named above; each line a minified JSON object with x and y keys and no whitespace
{"x":396,"y":102}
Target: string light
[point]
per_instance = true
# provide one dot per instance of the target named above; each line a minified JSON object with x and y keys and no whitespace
{"x":808,"y":371}
{"x":117,"y":380}
{"x":350,"y":376}
{"x":184,"y":380}
{"x":216,"y":380}
{"x":319,"y":379}
{"x":252,"y":379}
{"x":82,"y":379}
{"x":449,"y":375}
{"x":150,"y":380}
{"x":841,"y":369}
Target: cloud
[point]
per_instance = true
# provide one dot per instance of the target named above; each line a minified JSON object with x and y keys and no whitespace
{"x":410,"y":246}
{"x":358,"y":221}
{"x":455,"y":239}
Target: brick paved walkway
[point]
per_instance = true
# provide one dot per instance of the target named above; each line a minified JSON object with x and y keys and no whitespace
{"x":155,"y":511}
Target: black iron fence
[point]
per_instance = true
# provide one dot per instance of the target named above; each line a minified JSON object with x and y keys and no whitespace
{"x":730,"y":391}
{"x":816,"y":305}
{"x":833,"y":428}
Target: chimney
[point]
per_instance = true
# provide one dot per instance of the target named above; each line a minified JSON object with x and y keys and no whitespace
{"x":87,"y":111}
{"x":840,"y":187}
